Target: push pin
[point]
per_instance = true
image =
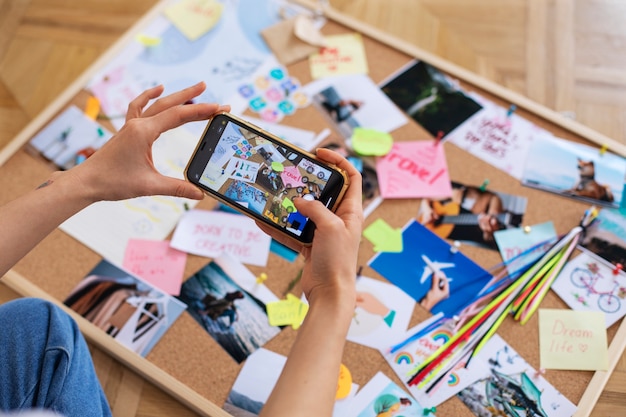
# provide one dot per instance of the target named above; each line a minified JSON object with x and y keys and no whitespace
{"x":186,"y":206}
{"x":261,"y":278}
{"x":617,"y":269}
{"x":430,"y":410}
{"x":511,"y":110}
{"x":527,"y":229}
{"x":454,"y":248}
{"x":540,"y":372}
{"x":483,"y":186}
{"x":603,"y":149}
{"x":439,"y":137}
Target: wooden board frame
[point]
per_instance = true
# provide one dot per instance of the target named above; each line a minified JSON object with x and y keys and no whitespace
{"x":174,"y":387}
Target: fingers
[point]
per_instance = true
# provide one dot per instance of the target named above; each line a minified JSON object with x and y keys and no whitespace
{"x":135,"y":108}
{"x":175,"y":99}
{"x":179,"y":115}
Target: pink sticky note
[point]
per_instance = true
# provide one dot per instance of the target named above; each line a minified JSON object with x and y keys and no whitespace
{"x":414,"y":170}
{"x":157,"y":263}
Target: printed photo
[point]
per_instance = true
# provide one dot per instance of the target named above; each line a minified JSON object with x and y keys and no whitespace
{"x":232,"y":316}
{"x":130,"y":310}
{"x":472,"y":215}
{"x":588,"y":284}
{"x":575,"y":170}
{"x":512,"y":387}
{"x":606,"y":236}
{"x":257,"y":379}
{"x":440,"y":279}
{"x":382,"y":312}
{"x":429,"y":97}
{"x":354,"y":101}
{"x":382,"y":397}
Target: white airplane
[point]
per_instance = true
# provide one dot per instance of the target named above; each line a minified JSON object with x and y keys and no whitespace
{"x":432,"y":267}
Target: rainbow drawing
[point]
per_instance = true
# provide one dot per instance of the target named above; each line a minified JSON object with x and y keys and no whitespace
{"x":403,"y":357}
{"x":441,"y":336}
{"x":453,"y":380}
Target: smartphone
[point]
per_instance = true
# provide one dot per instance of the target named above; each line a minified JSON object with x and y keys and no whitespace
{"x":259,"y":174}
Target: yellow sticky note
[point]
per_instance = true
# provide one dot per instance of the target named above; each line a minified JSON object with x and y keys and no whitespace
{"x":574,"y":340}
{"x":343,"y":54}
{"x":194,"y":18}
{"x":286,"y":312}
{"x":92,"y":107}
{"x":371,"y":142}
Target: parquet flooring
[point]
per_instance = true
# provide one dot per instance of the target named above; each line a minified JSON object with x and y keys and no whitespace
{"x":566,"y":54}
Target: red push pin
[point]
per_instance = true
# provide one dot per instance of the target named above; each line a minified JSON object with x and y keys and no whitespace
{"x":439,"y":137}
{"x":617,"y":269}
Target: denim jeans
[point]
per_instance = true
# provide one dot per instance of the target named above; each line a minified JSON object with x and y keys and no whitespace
{"x":45,"y":362}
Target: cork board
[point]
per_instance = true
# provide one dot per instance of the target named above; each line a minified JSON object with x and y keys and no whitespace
{"x":187,"y":362}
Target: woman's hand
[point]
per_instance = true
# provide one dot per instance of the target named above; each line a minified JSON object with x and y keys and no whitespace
{"x":123,"y":168}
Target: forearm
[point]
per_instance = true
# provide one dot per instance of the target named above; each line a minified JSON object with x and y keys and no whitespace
{"x":27,"y":220}
{"x":308,"y":383}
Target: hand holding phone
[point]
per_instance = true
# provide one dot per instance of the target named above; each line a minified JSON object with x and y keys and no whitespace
{"x":259,"y":174}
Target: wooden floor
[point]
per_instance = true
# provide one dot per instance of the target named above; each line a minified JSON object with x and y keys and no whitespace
{"x":569,"y":55}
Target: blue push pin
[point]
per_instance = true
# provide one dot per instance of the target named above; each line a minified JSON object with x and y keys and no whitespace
{"x":511,"y":110}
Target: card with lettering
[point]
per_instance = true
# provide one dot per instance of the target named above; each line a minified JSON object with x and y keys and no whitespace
{"x":606,"y":236}
{"x":587,"y":283}
{"x":129,"y":309}
{"x":512,"y":386}
{"x":525,"y":244}
{"x":210,"y":233}
{"x":472,"y":214}
{"x":408,"y":352}
{"x":575,"y":340}
{"x":440,"y":279}
{"x":350,"y":101}
{"x":342,"y":55}
{"x":429,"y":97}
{"x":236,"y":319}
{"x":497,"y":136}
{"x":156,"y":262}
{"x":575,"y":170}
{"x":414,"y":170}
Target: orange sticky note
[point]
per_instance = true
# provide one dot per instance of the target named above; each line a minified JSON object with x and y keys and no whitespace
{"x":92,"y":107}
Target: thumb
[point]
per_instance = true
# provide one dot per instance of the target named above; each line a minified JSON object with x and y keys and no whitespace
{"x":314,"y":210}
{"x":178,"y":188}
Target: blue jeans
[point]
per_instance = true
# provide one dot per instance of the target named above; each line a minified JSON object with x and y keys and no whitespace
{"x":45,"y":362}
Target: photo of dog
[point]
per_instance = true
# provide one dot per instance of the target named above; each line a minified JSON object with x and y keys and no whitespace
{"x":587,"y":186}
{"x":575,"y":170}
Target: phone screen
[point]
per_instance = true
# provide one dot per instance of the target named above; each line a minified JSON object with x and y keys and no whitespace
{"x":261,"y":175}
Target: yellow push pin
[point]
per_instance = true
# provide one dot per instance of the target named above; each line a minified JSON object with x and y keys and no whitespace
{"x":261,"y":278}
{"x":603,"y":149}
{"x":527,"y":229}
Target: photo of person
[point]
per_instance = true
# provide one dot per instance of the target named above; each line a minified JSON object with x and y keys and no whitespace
{"x":351,"y":101}
{"x":381,"y":397}
{"x":440,"y":279}
{"x":472,"y":214}
{"x":125,"y":307}
{"x":429,"y":97}
{"x":234,"y":318}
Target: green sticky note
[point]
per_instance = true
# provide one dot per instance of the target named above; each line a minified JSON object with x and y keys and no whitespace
{"x":384,"y":237}
{"x":277,"y":166}
{"x":371,"y":142}
{"x":573,"y":340}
